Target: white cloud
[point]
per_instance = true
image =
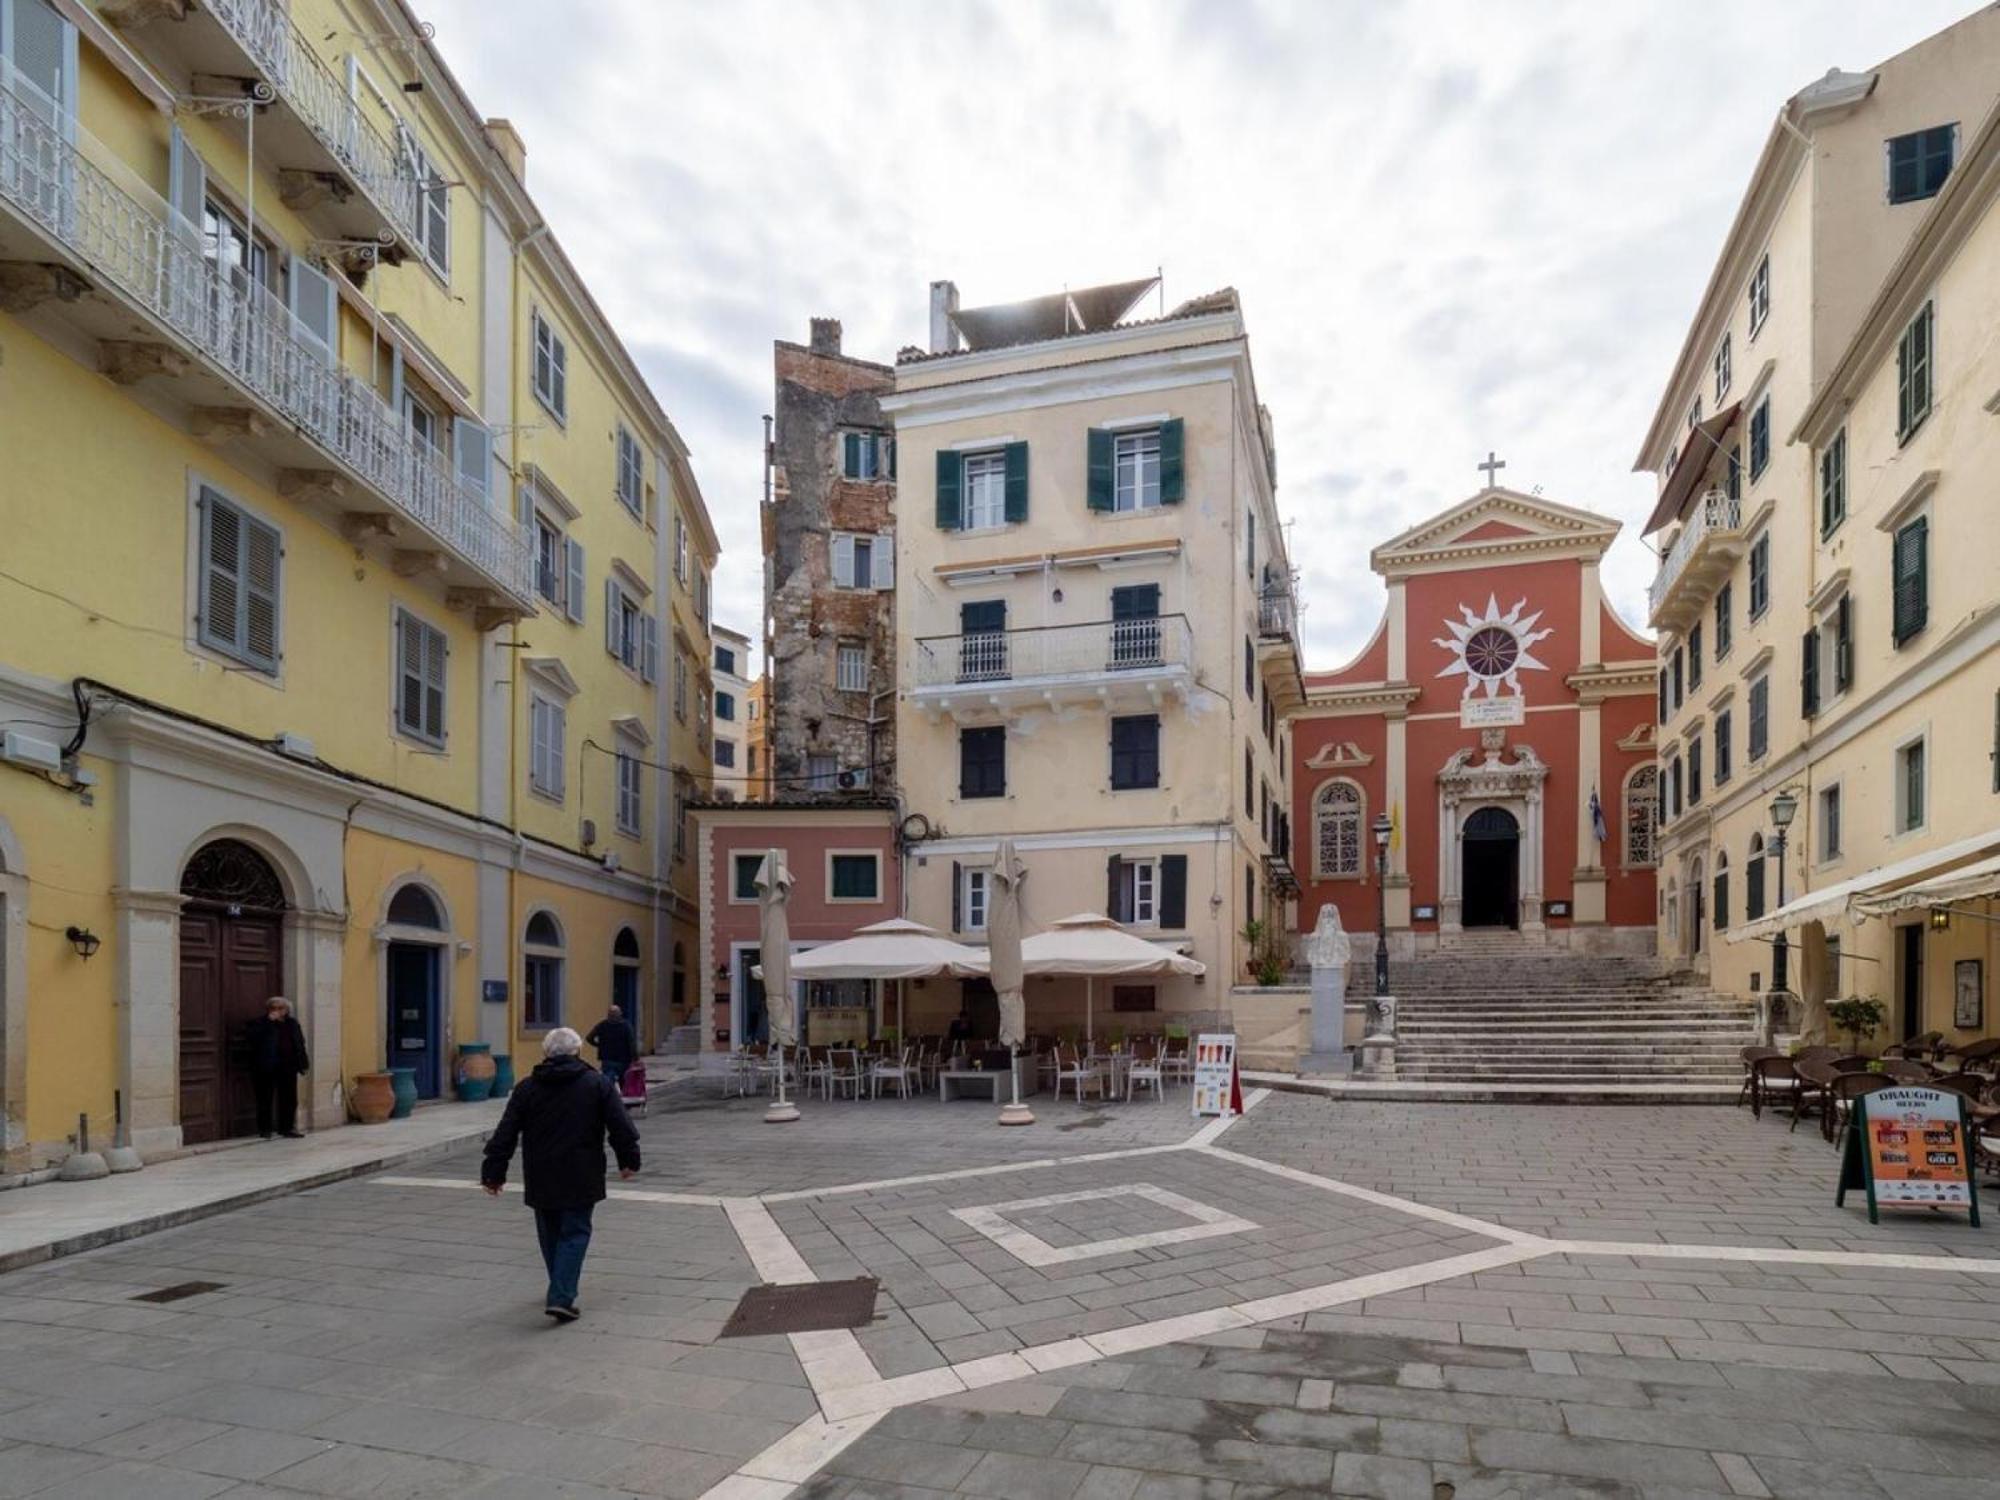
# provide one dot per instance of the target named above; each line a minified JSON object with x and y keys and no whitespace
{"x":1454,"y":224}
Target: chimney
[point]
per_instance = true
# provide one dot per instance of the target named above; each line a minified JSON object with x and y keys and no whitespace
{"x":944,"y":333}
{"x":826,"y":335}
{"x":513,"y":150}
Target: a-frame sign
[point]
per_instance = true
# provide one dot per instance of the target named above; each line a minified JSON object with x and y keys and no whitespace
{"x":1910,"y":1148}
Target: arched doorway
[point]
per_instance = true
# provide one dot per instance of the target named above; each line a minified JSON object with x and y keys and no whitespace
{"x":1492,"y":869}
{"x":232,"y":961}
{"x":625,"y":977}
{"x":1697,"y":889}
{"x":413,"y":987}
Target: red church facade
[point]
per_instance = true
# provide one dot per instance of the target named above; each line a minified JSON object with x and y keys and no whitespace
{"x":1499,"y":693}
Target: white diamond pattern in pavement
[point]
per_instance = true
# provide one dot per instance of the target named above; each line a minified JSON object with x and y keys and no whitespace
{"x":1003,"y":1223}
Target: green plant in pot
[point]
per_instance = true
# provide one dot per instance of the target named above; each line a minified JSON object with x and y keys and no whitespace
{"x":1857,"y":1017}
{"x":1267,"y":962}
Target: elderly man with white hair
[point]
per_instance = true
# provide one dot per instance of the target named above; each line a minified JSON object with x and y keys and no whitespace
{"x":560,"y":1115}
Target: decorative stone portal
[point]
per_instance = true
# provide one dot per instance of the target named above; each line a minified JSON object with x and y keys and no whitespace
{"x":1477,"y":801}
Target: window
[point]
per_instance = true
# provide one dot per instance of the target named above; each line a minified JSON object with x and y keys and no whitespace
{"x":1760,"y":576}
{"x":972,"y":900}
{"x":1733,"y":484}
{"x":1829,"y":823}
{"x":1337,"y":831}
{"x":1723,"y":730}
{"x":1694,"y":772}
{"x":1136,"y":456}
{"x":1675,"y":785}
{"x":1137,"y":887}
{"x":1250,"y":542}
{"x":680,"y":550}
{"x":1833,"y":484}
{"x":420,"y":659}
{"x":725,"y":707}
{"x":630,"y":633}
{"x":1918,"y":163}
{"x":1666,"y":704}
{"x":985,"y":490}
{"x":982,"y":762}
{"x":1135,"y":752}
{"x":1809,"y":673}
{"x":546,"y":755}
{"x":725,"y":660}
{"x":241,"y":560}
{"x":1760,"y":439}
{"x":1694,"y":656}
{"x":1132,"y":998}
{"x":863,"y":562}
{"x":1249,"y":667}
{"x":423,"y":423}
{"x":1722,"y":371}
{"x":1913,"y":374}
{"x":542,"y":991}
{"x":854,"y":877}
{"x":551,"y":377}
{"x":1759,"y":294}
{"x":434,"y":204}
{"x":1760,"y":717}
{"x":1753,"y":880}
{"x":867,"y":456}
{"x":548,"y":562}
{"x":1910,"y":787}
{"x":1135,"y":625}
{"x":822,"y":773}
{"x":725,"y":754}
{"x":1249,"y":781}
{"x":680,"y":819}
{"x":680,"y":685}
{"x":1725,"y":618}
{"x":1694,"y":413}
{"x":1842,"y":636}
{"x":631,"y":474}
{"x":628,"y":794}
{"x":1910,"y":583}
{"x":1680,"y":688}
{"x":1719,"y":914}
{"x":850,"y":667}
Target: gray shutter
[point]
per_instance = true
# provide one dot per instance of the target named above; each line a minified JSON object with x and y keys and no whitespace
{"x":885,"y":560}
{"x":409,"y":673}
{"x":1173,"y":482}
{"x":612,"y":635}
{"x":1112,"y":867}
{"x":1100,"y":475}
{"x":187,"y":186}
{"x":262,"y":565}
{"x":472,"y":455}
{"x":957,"y":896}
{"x":1173,"y":890}
{"x":573,"y":593}
{"x":649,"y":648}
{"x":524,"y":508}
{"x":558,"y":755}
{"x":314,"y":306}
{"x":950,"y":490}
{"x":1015,"y":456}
{"x":221,"y":620}
{"x":843,"y":561}
{"x":436,"y":650}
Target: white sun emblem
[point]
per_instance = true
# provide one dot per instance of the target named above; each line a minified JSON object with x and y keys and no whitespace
{"x":1491,"y":650}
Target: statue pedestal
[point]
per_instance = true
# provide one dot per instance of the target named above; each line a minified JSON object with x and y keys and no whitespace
{"x":1376,"y":1057}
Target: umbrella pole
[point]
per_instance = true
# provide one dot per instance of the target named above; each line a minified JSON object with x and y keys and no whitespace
{"x":1016,"y":1113}
{"x":1089,"y":1025}
{"x":782,"y":1111}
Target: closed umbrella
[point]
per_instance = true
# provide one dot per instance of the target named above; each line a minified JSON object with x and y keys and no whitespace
{"x":1094,"y":946}
{"x":1003,"y":962}
{"x":774,"y":889}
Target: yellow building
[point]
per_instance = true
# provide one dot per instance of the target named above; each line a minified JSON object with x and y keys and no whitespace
{"x":1802,"y":520}
{"x":346,"y":550}
{"x":1093,"y":633}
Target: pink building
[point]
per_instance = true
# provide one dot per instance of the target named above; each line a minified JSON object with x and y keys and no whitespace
{"x":845,"y":875}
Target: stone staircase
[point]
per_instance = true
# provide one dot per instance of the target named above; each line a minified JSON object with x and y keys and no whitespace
{"x":1531,"y":1021}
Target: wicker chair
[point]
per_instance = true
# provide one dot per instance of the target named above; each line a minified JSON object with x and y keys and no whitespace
{"x":1773,"y":1078}
{"x":1751,"y":1057}
{"x":1840,"y":1101}
{"x":1817,"y":1078}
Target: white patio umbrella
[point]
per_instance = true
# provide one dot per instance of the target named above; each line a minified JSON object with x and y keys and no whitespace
{"x":897,"y":949}
{"x":1095,"y":947}
{"x":1003,"y":964}
{"x":774,"y":889}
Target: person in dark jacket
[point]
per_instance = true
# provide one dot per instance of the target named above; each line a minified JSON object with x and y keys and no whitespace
{"x":277,"y":1059}
{"x":560,"y":1115}
{"x":612,"y":1037}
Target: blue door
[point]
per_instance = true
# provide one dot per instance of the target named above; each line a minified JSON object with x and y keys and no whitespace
{"x":413,"y":1013}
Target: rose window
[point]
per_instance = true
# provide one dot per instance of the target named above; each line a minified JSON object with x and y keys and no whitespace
{"x":1492,"y":652}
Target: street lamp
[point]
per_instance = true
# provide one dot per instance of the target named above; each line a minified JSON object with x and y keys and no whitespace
{"x":1784,"y":807}
{"x":1381,"y":828}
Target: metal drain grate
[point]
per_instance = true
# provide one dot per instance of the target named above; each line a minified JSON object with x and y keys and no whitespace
{"x":808,"y":1308}
{"x":179,"y":1290}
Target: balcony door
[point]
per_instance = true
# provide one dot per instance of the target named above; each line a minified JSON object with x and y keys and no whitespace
{"x":37,"y":109}
{"x":982,"y":641}
{"x":1135,"y":626}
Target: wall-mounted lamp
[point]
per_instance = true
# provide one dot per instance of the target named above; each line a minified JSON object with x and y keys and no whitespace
{"x":83,"y":940}
{"x":1940,"y":919}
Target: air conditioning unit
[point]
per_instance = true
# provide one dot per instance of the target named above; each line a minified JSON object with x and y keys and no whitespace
{"x":853,"y":781}
{"x":30,"y":750}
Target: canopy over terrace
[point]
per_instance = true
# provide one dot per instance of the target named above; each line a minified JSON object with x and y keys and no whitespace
{"x":1095,"y":947}
{"x":1877,"y":892}
{"x":897,"y":949}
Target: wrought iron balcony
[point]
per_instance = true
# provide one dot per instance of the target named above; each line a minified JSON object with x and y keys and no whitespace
{"x":1710,"y":541}
{"x":1277,"y":614}
{"x":85,"y":242}
{"x":1115,"y":663}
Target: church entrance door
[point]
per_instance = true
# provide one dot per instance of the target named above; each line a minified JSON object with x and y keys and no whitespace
{"x":1492,"y":870}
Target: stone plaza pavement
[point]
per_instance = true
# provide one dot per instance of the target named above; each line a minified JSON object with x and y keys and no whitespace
{"x":1355,"y":1299}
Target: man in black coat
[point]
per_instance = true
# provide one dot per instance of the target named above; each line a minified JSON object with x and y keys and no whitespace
{"x":277,"y":1059}
{"x":612,"y":1037}
{"x":560,"y":1115}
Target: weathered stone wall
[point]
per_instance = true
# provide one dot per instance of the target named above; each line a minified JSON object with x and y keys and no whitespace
{"x":822,"y":393}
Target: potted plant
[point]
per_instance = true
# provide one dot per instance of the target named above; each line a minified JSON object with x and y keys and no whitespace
{"x":1856,"y":1017}
{"x":1267,"y":963}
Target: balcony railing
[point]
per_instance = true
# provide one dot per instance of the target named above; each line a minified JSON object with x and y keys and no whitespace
{"x":1717,"y":516}
{"x":1105,"y":650}
{"x":1277,"y":614}
{"x":79,"y":194}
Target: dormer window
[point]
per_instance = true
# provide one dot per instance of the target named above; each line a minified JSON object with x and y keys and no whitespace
{"x":1919,"y":162}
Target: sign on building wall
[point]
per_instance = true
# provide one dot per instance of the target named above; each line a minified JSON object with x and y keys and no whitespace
{"x":1488,"y":713}
{"x":1908,"y":1148}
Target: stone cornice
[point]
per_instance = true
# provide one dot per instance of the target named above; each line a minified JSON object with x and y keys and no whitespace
{"x":1391,"y":698}
{"x":1612,"y":679}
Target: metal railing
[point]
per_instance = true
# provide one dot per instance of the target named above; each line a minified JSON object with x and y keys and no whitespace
{"x":79,"y":193}
{"x":265,"y":30}
{"x":1103,"y":647}
{"x":1277,"y":614}
{"x":1716,"y":512}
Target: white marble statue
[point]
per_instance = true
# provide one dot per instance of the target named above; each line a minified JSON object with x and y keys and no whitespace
{"x":1329,"y":946}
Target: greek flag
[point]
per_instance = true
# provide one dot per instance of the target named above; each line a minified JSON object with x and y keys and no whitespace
{"x":1597,"y":817}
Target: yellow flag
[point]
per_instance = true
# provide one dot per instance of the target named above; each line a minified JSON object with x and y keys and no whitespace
{"x":1395,"y":826}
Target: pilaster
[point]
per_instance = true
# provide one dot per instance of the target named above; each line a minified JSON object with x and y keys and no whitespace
{"x":314,"y":950}
{"x":148,"y":1013}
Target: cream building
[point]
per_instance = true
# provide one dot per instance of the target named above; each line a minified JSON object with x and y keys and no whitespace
{"x":735,"y":731}
{"x":344,"y":544}
{"x":1094,"y":632}
{"x":1788,"y":662}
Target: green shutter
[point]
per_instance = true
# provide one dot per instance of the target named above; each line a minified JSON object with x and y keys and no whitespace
{"x":1111,"y":883}
{"x":1017,"y":481}
{"x":1843,"y":645}
{"x":1173,"y":890}
{"x":1173,"y":468}
{"x":1101,"y":477}
{"x":1911,"y":582}
{"x":950,"y":487}
{"x":1809,"y":674}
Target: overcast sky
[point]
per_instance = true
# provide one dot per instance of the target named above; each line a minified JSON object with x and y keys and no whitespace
{"x":1453,"y":225}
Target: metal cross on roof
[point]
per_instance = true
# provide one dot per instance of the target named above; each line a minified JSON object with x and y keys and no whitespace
{"x":1492,"y":467}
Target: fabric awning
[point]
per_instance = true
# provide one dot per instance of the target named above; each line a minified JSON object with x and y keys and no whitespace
{"x":1093,"y":945}
{"x":1701,"y":448}
{"x":1834,"y":901}
{"x":1967,"y":883}
{"x":896,"y":949}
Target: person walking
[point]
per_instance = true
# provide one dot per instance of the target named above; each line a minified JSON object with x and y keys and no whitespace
{"x":277,"y":1059}
{"x":612,"y":1037}
{"x":559,"y":1115}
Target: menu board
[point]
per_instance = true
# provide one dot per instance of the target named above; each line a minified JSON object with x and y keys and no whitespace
{"x":1910,"y":1148}
{"x":1216,"y":1091}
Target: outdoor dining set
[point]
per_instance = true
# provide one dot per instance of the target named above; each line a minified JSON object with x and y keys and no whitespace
{"x":1824,"y":1082}
{"x":1120,"y":1071}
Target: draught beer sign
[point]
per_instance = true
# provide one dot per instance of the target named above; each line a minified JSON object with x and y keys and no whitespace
{"x":1909,"y":1148}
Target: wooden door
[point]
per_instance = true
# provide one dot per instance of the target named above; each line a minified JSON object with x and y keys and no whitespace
{"x":230,"y":965}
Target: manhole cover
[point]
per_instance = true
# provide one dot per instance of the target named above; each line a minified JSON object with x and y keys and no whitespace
{"x":179,"y":1290}
{"x":807,"y":1308}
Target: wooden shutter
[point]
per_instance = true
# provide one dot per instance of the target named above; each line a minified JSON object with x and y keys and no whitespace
{"x":1719,"y":916}
{"x":614,"y":634}
{"x":1113,"y":867}
{"x":957,"y":896}
{"x":472,"y":455}
{"x":950,"y":490}
{"x":1843,"y":644}
{"x":1173,"y":890}
{"x":1016,"y":458}
{"x":573,"y":593}
{"x":1173,"y":469}
{"x":1809,"y":673}
{"x":262,"y":560}
{"x":187,"y":186}
{"x":436,"y":649}
{"x":409,"y":673}
{"x":1101,"y":470}
{"x":220,"y":624}
{"x":843,"y":561}
{"x":649,"y":648}
{"x":1911,"y":587}
{"x":315,"y":307}
{"x":885,"y":560}
{"x":558,"y":720}
{"x":850,"y":455}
